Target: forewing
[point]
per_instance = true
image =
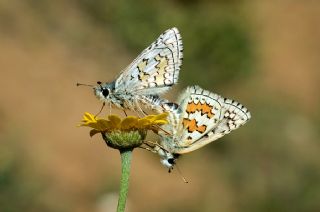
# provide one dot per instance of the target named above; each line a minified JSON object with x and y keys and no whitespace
{"x":156,"y":69}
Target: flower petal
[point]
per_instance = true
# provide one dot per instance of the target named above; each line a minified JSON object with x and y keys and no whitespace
{"x":162,"y":116}
{"x":115,"y":121}
{"x":93,"y":132}
{"x":94,"y":126}
{"x":150,"y":117}
{"x":160,"y":122}
{"x":88,"y":117}
{"x":144,"y":123}
{"x":104,"y":125}
{"x":129,"y":122}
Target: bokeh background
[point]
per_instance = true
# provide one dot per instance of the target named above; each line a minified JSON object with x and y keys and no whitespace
{"x":265,"y":54}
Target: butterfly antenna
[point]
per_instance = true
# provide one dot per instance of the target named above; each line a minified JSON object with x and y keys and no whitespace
{"x":180,"y":173}
{"x":78,"y":84}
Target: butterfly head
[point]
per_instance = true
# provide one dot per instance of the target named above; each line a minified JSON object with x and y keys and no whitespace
{"x":167,"y":159}
{"x":103,"y":90}
{"x":168,"y":162}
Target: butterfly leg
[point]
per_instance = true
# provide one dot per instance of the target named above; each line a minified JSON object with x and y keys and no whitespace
{"x":166,"y":132}
{"x":139,"y":110}
{"x":152,"y":144}
{"x":125,"y":113}
{"x":149,"y":148}
{"x":103,"y":104}
{"x":110,"y":107}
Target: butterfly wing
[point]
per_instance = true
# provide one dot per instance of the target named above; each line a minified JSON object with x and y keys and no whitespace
{"x":156,"y":69}
{"x":205,"y":117}
{"x":234,"y":116}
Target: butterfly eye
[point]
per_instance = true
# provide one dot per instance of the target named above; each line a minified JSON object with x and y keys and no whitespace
{"x":171,"y":161}
{"x":105,"y":92}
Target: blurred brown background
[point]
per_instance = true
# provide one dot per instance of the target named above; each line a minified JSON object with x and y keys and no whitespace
{"x":265,"y":54}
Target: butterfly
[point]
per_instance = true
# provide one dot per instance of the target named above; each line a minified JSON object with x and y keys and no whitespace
{"x":201,"y":118}
{"x":152,"y":73}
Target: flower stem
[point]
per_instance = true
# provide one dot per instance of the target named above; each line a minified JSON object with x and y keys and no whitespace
{"x":126,"y":155}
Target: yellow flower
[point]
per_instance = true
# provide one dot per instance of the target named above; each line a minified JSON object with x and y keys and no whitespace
{"x":122,"y":133}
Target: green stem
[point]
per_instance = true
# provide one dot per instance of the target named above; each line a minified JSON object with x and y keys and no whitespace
{"x":126,"y":156}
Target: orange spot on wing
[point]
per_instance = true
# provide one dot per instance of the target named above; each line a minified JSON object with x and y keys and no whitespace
{"x":203,"y":108}
{"x":192,"y":126}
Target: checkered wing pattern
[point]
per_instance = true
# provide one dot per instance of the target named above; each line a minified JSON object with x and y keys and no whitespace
{"x":156,"y":69}
{"x":204,"y":117}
